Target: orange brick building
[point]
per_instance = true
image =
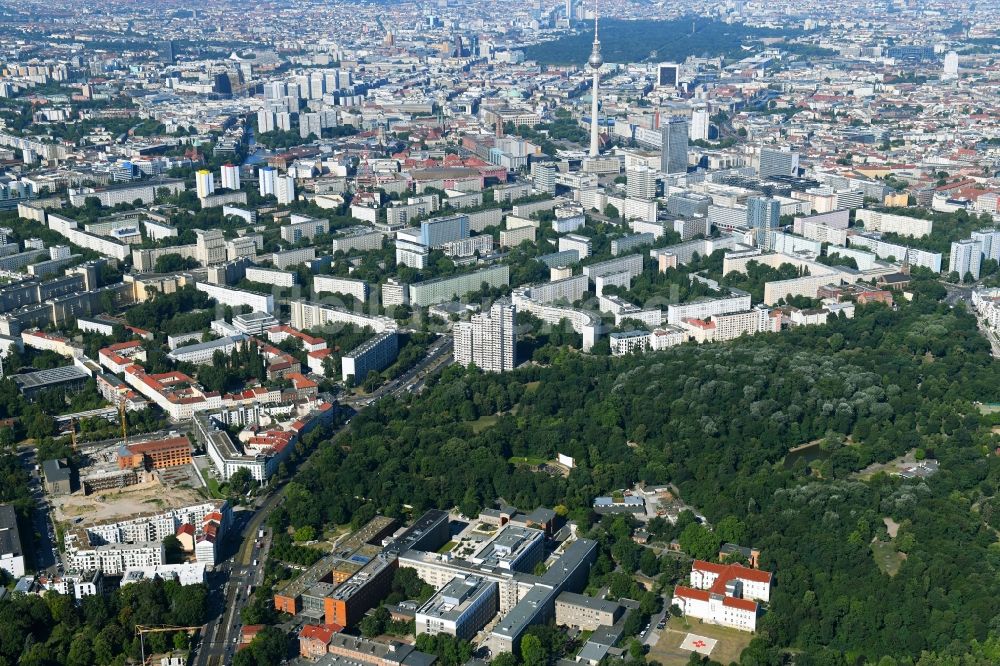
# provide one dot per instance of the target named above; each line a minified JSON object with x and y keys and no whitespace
{"x":159,"y":454}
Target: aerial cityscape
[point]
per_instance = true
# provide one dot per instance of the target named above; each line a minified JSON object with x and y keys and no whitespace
{"x":455,"y":333}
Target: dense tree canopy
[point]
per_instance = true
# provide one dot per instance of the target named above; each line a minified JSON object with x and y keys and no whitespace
{"x":717,"y":421}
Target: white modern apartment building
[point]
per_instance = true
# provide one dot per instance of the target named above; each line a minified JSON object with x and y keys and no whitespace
{"x":113,"y":559}
{"x":271,"y":276}
{"x":230,"y":176}
{"x":306,"y":316}
{"x":488,"y":340}
{"x":705,"y":308}
{"x":284,"y":189}
{"x":302,"y":226}
{"x":372,"y":355}
{"x":237,"y":298}
{"x":899,"y":253}
{"x":338,"y":285}
{"x":630,"y":264}
{"x":67,"y":228}
{"x":897,"y":224}
{"x":294,"y":257}
{"x":204,"y":183}
{"x":204,"y":352}
{"x":966,"y":258}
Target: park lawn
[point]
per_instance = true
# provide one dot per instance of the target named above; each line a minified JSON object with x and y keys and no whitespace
{"x":888,"y":559}
{"x":483,"y":422}
{"x":525,"y":460}
{"x":666,"y":651}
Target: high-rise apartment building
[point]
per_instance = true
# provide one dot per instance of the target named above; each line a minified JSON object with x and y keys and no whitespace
{"x":440,"y":230}
{"x":268,"y":181}
{"x":640,"y":182}
{"x":210,"y":247}
{"x":488,"y":340}
{"x":699,"y":124}
{"x":310,"y":123}
{"x":990,"y":238}
{"x":275,"y":90}
{"x":674,"y":156}
{"x":204,"y":183}
{"x":230,"y":177}
{"x":966,"y":258}
{"x":544,"y":178}
{"x":778,"y":162}
{"x":284,"y":189}
{"x":950,"y":65}
{"x":762,"y":217}
{"x":266,"y":121}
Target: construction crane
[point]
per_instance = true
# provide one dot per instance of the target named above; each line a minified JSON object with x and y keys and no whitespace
{"x":121,"y":416}
{"x":141,"y":630}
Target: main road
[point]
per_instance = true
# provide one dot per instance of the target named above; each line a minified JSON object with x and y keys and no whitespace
{"x":229,"y":585}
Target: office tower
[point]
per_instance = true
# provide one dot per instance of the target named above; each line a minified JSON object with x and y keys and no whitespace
{"x":763,"y":214}
{"x":165,"y":52}
{"x":778,"y":162}
{"x":275,"y":90}
{"x":230,"y":177}
{"x":950,"y":65}
{"x":640,"y":182}
{"x":966,"y":258}
{"x":222,"y":84}
{"x":594,"y":62}
{"x":284,"y":189}
{"x":265,"y":121}
{"x":210,"y":247}
{"x":488,"y":340}
{"x":674,"y":155}
{"x":268,"y":179}
{"x":699,"y":124}
{"x":668,"y":75}
{"x":544,"y":178}
{"x":204,"y":183}
{"x":569,"y":9}
{"x":310,"y":123}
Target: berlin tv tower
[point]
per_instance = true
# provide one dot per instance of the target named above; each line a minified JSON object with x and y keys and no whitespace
{"x":594,"y":62}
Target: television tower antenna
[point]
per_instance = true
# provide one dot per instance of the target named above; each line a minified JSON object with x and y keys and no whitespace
{"x":594,"y":62}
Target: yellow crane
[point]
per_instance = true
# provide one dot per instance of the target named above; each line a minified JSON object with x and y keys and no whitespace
{"x":141,"y":630}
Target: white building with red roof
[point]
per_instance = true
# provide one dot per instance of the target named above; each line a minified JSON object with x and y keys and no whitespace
{"x":724,"y":594}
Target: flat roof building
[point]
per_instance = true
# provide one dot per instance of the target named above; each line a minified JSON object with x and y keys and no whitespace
{"x":33,"y":383}
{"x":461,"y":608}
{"x":11,"y":555}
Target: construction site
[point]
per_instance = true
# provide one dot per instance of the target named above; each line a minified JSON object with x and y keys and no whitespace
{"x":121,"y":478}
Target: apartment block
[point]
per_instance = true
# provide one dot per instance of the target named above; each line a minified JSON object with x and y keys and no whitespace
{"x":373,"y":355}
{"x":488,"y":340}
